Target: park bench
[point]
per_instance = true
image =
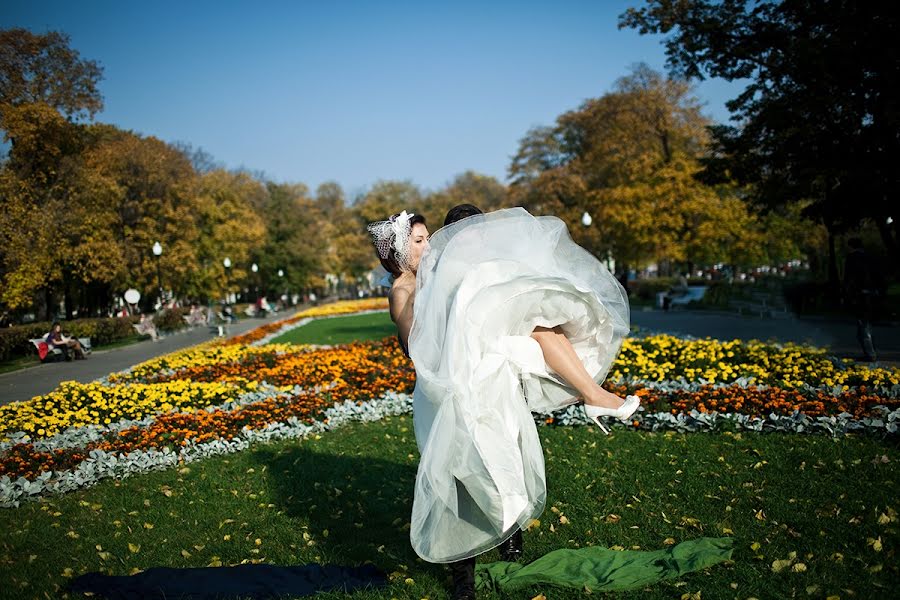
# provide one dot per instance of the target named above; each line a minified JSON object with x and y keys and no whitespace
{"x":694,"y":292}
{"x":55,"y":354}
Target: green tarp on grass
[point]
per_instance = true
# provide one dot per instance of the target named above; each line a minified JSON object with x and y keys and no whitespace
{"x":605,"y":570}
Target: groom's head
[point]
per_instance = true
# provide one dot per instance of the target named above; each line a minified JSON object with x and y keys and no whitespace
{"x":460,"y":212}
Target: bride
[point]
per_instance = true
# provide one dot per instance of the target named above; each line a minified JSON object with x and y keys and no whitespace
{"x":502,"y":314}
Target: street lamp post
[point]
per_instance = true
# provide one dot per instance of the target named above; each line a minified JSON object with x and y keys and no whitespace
{"x":157,"y":252}
{"x":255,"y":268}
{"x":227,"y":264}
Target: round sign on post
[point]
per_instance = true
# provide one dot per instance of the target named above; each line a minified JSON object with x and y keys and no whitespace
{"x":132,"y":296}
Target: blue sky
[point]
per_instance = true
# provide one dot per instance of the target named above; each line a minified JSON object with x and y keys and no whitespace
{"x":351,"y":91}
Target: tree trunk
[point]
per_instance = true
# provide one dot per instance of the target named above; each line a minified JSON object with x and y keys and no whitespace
{"x":49,"y":308}
{"x":68,"y":301}
{"x":832,"y":258}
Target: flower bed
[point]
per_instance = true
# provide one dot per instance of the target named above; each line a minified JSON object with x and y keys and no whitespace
{"x":666,"y":357}
{"x":219,"y":397}
{"x":76,"y":404}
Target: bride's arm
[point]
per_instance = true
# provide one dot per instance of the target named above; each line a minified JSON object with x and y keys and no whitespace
{"x":402,"y":301}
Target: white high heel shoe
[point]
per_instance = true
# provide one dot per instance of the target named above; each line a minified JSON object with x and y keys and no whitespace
{"x":623,"y":413}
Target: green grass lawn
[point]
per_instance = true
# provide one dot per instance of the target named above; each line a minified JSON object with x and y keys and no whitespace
{"x":345,"y":498}
{"x":341,"y":330}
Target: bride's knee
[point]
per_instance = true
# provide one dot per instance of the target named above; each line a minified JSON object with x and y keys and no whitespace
{"x":543,"y":333}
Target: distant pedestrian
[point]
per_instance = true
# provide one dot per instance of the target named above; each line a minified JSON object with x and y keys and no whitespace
{"x":68,"y":345}
{"x":862,"y":285}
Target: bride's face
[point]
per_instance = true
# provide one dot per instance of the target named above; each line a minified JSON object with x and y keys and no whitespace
{"x":418,"y":241}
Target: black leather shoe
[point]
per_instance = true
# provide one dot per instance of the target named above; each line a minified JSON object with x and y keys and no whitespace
{"x":511,"y":549}
{"x":463,"y":573}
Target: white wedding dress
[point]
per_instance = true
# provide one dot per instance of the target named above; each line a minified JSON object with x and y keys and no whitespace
{"x":483,"y":286}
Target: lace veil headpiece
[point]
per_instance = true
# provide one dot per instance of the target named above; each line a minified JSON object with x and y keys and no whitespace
{"x":393,"y":234}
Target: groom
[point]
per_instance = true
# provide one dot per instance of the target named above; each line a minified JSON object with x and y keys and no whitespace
{"x":463,"y":571}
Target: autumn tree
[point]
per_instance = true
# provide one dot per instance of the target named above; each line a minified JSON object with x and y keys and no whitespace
{"x":628,"y":159}
{"x":150,"y":193}
{"x":817,"y":122}
{"x":42,"y":82}
{"x":484,"y":191}
{"x":386,"y":198}
{"x":227,"y":226}
{"x":348,"y":251}
{"x":42,"y":68}
{"x":41,"y":181}
{"x":293,"y":243}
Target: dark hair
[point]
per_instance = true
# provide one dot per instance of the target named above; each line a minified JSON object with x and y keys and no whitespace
{"x":460,"y":212}
{"x":54,"y":324}
{"x":391,"y":264}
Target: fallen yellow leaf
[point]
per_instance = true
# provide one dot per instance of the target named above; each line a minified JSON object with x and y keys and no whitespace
{"x":779,"y":565}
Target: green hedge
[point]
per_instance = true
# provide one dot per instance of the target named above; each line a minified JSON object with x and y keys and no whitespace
{"x":14,"y":340}
{"x":170,"y":319}
{"x":645,"y":290}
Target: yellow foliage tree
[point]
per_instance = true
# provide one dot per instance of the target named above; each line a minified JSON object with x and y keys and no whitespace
{"x":629,"y":160}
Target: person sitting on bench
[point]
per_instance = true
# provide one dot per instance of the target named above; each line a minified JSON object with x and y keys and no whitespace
{"x":68,"y":345}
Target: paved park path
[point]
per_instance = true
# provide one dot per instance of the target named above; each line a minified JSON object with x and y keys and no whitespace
{"x":44,"y":378}
{"x":837,"y":335}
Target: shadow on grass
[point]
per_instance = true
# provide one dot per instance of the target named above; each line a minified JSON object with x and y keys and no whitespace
{"x":364,"y":504}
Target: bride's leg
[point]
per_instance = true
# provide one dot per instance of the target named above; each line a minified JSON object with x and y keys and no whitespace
{"x":562,"y":358}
